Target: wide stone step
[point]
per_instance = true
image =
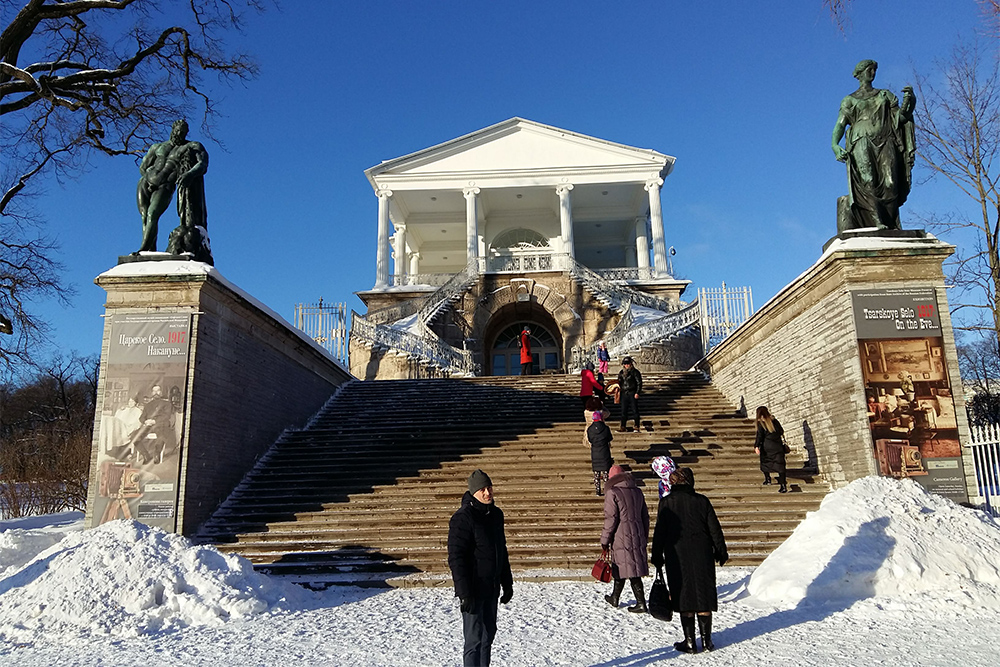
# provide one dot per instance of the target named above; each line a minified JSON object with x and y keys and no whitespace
{"x":366,"y":492}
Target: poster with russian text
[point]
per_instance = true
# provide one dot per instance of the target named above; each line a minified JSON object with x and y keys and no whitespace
{"x":911,"y":410}
{"x":142,"y":422}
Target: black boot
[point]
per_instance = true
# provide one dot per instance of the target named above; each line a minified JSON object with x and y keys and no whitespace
{"x":597,"y":483}
{"x":640,"y":596}
{"x":705,"y":625}
{"x":782,"y":486}
{"x":767,"y":479}
{"x":689,"y":645}
{"x":616,"y":593}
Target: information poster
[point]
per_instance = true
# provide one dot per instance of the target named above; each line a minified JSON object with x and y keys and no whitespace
{"x":911,"y":410}
{"x":142,"y":422}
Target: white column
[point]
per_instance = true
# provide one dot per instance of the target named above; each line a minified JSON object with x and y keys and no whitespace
{"x":630,"y":255}
{"x":382,"y":242}
{"x":641,"y":244}
{"x":471,"y":223}
{"x":414,"y":263}
{"x":656,"y":222}
{"x":566,"y":218}
{"x":400,"y":264}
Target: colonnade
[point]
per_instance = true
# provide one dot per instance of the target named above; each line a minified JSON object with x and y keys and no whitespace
{"x":409,"y":262}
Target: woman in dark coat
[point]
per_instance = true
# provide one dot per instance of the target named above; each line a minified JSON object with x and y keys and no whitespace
{"x":687,"y":542}
{"x":626,"y":533}
{"x":599,"y":436}
{"x":771,"y":447}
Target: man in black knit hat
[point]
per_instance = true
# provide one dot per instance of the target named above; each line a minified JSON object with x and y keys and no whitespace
{"x":480,"y":566}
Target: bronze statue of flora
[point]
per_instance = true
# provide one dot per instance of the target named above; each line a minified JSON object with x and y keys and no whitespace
{"x":175,"y":164}
{"x":879,"y":152}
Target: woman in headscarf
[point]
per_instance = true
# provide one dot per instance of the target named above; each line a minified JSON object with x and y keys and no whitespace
{"x":625,"y":534}
{"x":663,"y":466}
{"x":687,"y":542}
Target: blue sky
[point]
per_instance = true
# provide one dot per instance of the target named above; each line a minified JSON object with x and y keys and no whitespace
{"x":743,"y":94}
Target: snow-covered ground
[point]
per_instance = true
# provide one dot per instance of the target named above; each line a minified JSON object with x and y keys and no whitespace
{"x":883,"y":573}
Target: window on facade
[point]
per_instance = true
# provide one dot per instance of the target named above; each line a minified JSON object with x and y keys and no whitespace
{"x":519,"y":239}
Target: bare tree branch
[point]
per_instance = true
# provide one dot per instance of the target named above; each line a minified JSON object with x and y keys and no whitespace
{"x":959,"y":139}
{"x":105,"y":77}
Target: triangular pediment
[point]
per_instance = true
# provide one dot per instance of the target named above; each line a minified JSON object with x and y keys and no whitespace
{"x":519,"y":145}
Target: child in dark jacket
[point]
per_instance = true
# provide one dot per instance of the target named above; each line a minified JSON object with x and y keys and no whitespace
{"x":599,"y":436}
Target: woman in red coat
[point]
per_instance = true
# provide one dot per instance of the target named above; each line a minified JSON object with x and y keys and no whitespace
{"x":589,"y":386}
{"x":526,"y":351}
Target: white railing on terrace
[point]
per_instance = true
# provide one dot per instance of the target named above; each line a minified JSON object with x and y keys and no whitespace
{"x":627,"y":273}
{"x":526,"y":261}
{"x":325,"y":323}
{"x":417,"y":279}
{"x":722,"y":311}
{"x":986,"y":459}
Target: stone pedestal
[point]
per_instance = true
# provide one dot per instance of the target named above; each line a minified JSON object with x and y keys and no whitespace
{"x":214,"y":377}
{"x":801,"y":356}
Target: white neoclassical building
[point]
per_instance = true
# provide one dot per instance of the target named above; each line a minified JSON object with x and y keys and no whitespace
{"x":479,"y":233}
{"x":520,"y":195}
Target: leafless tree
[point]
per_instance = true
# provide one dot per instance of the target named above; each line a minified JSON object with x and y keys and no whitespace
{"x":839,"y":12}
{"x":85,"y":77}
{"x":46,"y":427}
{"x":958,"y":139}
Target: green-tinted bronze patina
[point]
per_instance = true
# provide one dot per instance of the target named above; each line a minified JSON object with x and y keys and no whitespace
{"x":175,"y":164}
{"x":879,"y":152}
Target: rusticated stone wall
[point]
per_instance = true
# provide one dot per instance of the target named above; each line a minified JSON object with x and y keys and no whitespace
{"x":799,"y":354}
{"x":250,"y":376}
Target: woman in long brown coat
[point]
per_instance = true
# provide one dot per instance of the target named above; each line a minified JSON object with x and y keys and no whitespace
{"x":626,"y":533}
{"x":687,"y":542}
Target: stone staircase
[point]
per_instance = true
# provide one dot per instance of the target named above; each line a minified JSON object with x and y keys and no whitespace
{"x":364,"y":494}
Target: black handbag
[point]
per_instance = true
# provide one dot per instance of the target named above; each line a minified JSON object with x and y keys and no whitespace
{"x":659,"y":599}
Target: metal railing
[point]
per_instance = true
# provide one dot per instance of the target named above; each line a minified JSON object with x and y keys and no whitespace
{"x":722,"y":311}
{"x":627,"y":337}
{"x":325,"y":323}
{"x":986,"y":460}
{"x":427,"y":348}
{"x":418,"y":279}
{"x":526,"y":262}
{"x":615,"y":294}
{"x":626,"y":273}
{"x":451,"y":290}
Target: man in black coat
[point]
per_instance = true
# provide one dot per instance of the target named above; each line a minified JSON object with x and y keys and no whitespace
{"x":480,"y":566}
{"x":630,"y":386}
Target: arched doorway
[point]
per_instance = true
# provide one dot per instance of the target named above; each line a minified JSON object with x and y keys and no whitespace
{"x":505,"y":355}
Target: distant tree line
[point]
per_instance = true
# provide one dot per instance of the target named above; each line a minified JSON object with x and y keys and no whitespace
{"x":46,"y":428}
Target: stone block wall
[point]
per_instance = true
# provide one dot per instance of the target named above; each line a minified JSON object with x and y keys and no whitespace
{"x":799,"y":354}
{"x":250,"y":376}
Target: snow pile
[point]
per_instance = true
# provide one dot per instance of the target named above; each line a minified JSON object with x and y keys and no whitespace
{"x":125,"y":578}
{"x":22,"y":539}
{"x":883,"y":537}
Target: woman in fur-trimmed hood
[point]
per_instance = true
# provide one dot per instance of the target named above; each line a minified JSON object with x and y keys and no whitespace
{"x":625,"y":534}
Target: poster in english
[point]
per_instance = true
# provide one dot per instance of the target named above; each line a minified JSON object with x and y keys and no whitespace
{"x":911,"y":409}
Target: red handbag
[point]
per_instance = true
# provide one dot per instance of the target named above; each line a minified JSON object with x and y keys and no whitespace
{"x":602,"y":568}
